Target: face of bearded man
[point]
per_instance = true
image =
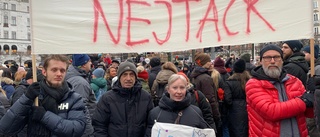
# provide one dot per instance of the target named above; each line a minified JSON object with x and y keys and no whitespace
{"x":272,"y":63}
{"x":272,"y":71}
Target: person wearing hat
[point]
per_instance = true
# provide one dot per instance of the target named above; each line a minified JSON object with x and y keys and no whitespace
{"x":78,"y":76}
{"x":155,"y":64}
{"x":306,"y":51}
{"x":294,"y":61}
{"x":143,"y":77}
{"x":235,"y":100}
{"x":123,"y":111}
{"x":277,"y":102}
{"x":98,"y":83}
{"x":115,"y":63}
{"x":203,"y":82}
{"x":247,"y":58}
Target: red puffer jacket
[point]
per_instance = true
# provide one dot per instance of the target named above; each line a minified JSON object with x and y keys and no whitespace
{"x":265,"y":111}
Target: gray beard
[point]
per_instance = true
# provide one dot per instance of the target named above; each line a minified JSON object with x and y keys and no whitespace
{"x":272,"y":73}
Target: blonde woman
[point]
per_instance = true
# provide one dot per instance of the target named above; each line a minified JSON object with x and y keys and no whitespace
{"x":174,"y":106}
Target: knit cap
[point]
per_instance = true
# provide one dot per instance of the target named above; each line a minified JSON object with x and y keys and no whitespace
{"x":155,"y":61}
{"x":99,"y":73}
{"x":239,"y":66}
{"x":270,"y":47}
{"x":218,"y":62}
{"x":202,"y":58}
{"x":80,"y":59}
{"x":125,"y":66}
{"x":295,"y":45}
{"x":142,"y":73}
{"x":316,"y":50}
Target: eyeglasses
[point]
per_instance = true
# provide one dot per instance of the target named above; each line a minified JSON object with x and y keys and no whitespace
{"x":269,"y":58}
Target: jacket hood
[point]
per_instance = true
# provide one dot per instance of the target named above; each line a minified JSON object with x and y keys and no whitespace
{"x":73,"y":71}
{"x":163,"y":76}
{"x":100,"y":82}
{"x":168,"y":104}
{"x":258,"y":73}
{"x":6,"y":80}
{"x":198,"y":71}
{"x":298,"y":58}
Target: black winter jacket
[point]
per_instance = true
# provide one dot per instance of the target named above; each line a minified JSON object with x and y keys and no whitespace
{"x":69,"y":122}
{"x":122,"y":112}
{"x":152,"y":75}
{"x":203,"y":82}
{"x":235,"y":99}
{"x":297,"y":66}
{"x":167,"y":112}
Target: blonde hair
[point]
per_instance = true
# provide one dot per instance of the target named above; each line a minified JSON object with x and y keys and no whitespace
{"x":20,"y":75}
{"x":169,"y":66}
{"x":140,"y":69}
{"x":215,"y":75}
{"x":175,"y":77}
{"x":107,"y":75}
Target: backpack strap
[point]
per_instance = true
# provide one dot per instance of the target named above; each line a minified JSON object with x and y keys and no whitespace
{"x":197,"y":96}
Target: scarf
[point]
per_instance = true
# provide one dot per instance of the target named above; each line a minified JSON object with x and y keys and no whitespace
{"x":51,"y":99}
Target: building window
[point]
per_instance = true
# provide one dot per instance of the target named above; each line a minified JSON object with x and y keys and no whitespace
{"x":315,"y":4}
{"x":28,"y":9}
{"x":5,"y":23}
{"x":5,"y":6}
{"x":14,"y":35}
{"x":14,"y":21}
{"x":13,"y":7}
{"x":316,"y":31}
{"x":25,"y":1}
{"x":6,"y":34}
{"x":315,"y":17}
{"x":29,"y":36}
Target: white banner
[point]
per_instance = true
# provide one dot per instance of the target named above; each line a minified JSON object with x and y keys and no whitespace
{"x":124,"y":26}
{"x":175,"y":130}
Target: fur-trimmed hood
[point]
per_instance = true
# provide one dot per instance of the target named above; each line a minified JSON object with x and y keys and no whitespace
{"x":7,"y":80}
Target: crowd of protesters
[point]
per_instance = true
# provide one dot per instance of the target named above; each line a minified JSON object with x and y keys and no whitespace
{"x":96,"y":96}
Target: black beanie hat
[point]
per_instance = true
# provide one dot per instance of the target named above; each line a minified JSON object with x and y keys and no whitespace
{"x":239,"y":66}
{"x":270,"y":47}
{"x":295,"y":45}
{"x":155,"y":61}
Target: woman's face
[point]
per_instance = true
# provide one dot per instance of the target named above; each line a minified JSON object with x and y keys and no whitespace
{"x":113,"y":72}
{"x":177,"y":90}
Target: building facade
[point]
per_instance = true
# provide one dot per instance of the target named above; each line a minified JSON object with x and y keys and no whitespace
{"x":15,"y":31}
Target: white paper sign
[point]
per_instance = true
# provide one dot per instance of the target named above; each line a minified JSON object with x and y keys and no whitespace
{"x":175,"y":130}
{"x":124,"y":26}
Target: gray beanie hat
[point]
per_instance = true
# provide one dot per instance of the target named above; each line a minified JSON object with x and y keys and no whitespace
{"x":125,"y":66}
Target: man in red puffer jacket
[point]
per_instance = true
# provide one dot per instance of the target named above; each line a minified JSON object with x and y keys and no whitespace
{"x":277,"y":102}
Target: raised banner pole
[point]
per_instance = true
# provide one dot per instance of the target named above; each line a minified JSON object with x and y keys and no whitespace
{"x":34,"y":66}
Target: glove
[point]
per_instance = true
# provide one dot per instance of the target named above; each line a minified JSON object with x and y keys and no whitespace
{"x":33,"y":90}
{"x":308,"y":99}
{"x":38,"y":113}
{"x":311,"y":84}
